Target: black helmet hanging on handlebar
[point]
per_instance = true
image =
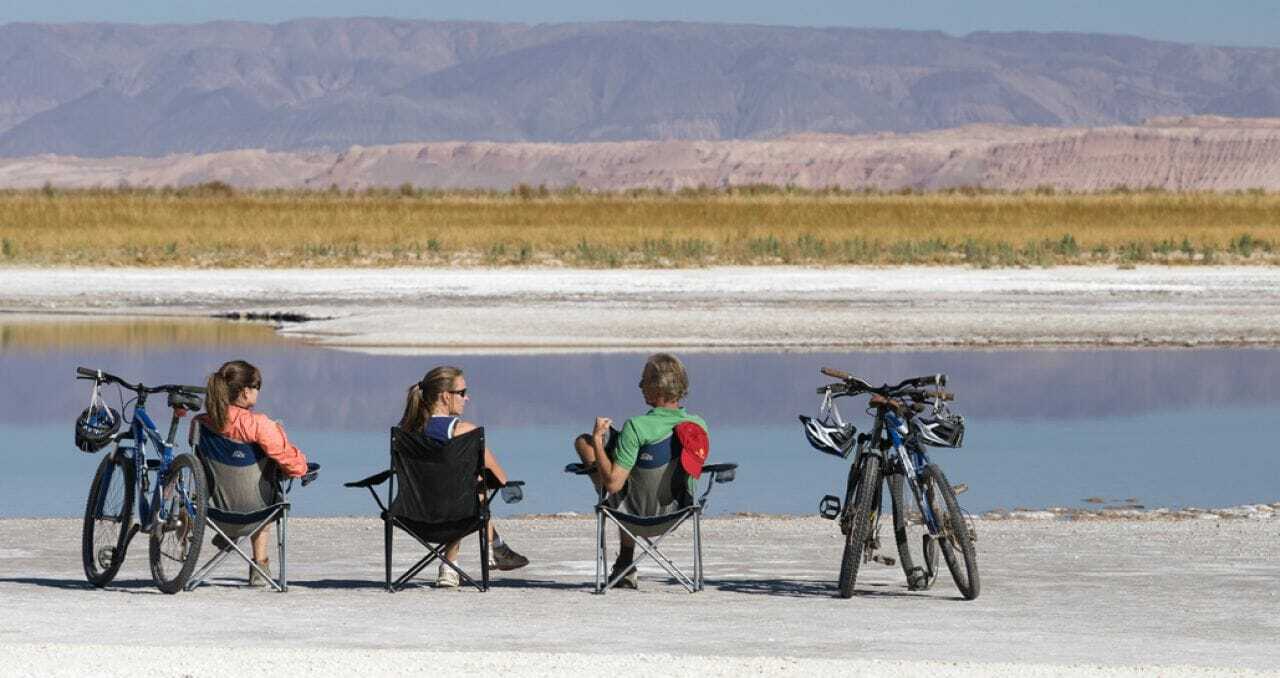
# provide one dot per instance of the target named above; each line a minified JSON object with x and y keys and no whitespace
{"x":940,"y":429}
{"x":95,"y":426}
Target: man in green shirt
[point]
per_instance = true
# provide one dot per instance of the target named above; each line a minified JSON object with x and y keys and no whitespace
{"x":639,"y":467}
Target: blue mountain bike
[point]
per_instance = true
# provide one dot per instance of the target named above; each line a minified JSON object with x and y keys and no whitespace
{"x":142,"y":462}
{"x":907,"y":418}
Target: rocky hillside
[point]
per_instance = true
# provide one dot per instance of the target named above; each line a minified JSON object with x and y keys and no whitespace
{"x":98,"y":90}
{"x":1170,"y":153}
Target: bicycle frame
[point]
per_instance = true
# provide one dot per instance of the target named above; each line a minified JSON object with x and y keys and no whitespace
{"x":143,"y":433}
{"x":900,"y":455}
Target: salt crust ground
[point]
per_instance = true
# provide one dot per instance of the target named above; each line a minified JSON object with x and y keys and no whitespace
{"x":1060,"y":598}
{"x":542,"y":310}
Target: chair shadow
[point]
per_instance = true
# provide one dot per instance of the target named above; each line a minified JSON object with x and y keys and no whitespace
{"x":132,"y":586}
{"x":505,"y":583}
{"x":545,"y":584}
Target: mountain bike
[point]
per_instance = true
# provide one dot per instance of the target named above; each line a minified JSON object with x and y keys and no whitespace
{"x":906,"y":418}
{"x":143,"y":462}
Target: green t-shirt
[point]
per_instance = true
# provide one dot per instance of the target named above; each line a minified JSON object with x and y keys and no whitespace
{"x":651,"y":427}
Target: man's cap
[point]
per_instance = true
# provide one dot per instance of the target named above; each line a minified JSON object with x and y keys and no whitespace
{"x":694,"y":447}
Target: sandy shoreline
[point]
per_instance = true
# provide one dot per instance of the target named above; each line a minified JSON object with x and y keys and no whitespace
{"x":1126,"y":597}
{"x":740,"y":308}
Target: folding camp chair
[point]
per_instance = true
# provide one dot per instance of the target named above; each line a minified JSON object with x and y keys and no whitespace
{"x":245,"y":495}
{"x":442,"y":497}
{"x":666,"y":504}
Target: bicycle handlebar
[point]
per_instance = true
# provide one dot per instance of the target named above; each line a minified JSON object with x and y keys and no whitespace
{"x":100,"y":376}
{"x":907,"y":388}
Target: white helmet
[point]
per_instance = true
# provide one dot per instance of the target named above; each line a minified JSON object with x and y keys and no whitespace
{"x":827,"y":436}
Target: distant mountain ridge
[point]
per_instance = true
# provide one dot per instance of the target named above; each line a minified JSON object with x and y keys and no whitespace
{"x":97,"y":90}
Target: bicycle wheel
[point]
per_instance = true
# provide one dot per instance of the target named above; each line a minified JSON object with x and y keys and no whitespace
{"x":917,"y":549}
{"x":108,"y":518}
{"x":860,"y":504}
{"x":955,"y":540}
{"x":177,"y":529}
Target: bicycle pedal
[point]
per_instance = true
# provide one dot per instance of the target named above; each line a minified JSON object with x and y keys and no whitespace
{"x":829,"y":507}
{"x":885,"y":560}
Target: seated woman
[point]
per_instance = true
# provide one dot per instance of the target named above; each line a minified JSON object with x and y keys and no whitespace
{"x":233,"y":392}
{"x":663,"y":383}
{"x":434,"y":406}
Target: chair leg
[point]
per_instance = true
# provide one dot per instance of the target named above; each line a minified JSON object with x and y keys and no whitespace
{"x":281,"y":539}
{"x":387,"y":536}
{"x":601,"y":554}
{"x":484,"y":555}
{"x":697,"y":549}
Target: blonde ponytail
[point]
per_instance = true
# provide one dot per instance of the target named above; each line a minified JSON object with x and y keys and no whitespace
{"x":415,"y":414}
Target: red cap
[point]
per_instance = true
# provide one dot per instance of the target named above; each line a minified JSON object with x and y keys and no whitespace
{"x":694,"y":447}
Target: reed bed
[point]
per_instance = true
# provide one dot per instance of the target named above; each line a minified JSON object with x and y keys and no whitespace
{"x":53,"y":335}
{"x":215,"y":226}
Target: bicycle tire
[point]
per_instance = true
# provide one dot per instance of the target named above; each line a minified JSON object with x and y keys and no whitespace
{"x":918,"y":565}
{"x":180,"y":524}
{"x":956,"y":539}
{"x":108,"y":519}
{"x":859,"y":523}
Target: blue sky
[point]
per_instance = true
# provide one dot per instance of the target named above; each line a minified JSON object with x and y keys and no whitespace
{"x":1220,"y":22}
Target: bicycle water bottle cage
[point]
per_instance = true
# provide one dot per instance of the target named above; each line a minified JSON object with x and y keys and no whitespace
{"x":829,"y":507}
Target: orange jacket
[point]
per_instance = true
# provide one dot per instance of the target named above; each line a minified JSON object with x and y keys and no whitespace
{"x":247,"y":426}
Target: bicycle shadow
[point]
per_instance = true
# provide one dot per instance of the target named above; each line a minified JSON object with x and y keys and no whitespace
{"x":136,"y":586}
{"x":793,"y":588}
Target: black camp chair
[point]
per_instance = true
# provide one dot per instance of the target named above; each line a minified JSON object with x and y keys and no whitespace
{"x":660,"y":510}
{"x":245,"y":495}
{"x":442,"y":497}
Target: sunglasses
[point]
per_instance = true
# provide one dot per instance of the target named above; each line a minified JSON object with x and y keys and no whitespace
{"x":462,"y":393}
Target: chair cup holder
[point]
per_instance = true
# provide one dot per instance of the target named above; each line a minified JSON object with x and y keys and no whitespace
{"x":512,"y":494}
{"x":829,"y":507}
{"x":726,"y":476}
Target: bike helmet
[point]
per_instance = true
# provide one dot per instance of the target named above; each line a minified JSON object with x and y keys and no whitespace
{"x":826,"y":436}
{"x":95,"y":427}
{"x":942,"y":429}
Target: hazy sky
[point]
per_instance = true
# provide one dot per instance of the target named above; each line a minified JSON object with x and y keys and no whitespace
{"x":1221,"y":22}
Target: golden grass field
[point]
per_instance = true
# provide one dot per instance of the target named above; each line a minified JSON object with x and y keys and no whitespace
{"x":215,"y":226}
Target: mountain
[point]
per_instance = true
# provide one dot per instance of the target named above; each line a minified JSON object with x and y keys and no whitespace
{"x":99,"y":90}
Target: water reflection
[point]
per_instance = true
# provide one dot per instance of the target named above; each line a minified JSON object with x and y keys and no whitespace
{"x":1046,"y":426}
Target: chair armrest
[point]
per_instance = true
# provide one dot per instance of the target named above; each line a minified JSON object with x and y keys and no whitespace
{"x":372,"y":480}
{"x":313,"y":471}
{"x":580,"y":469}
{"x":512,"y":492}
{"x":721,"y":473}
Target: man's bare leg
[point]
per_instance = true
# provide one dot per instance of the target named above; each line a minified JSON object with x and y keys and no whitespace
{"x":587,"y":453}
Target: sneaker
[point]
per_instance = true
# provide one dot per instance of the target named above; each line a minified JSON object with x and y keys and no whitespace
{"x":257,"y":580}
{"x":630,"y":581}
{"x":503,"y":558}
{"x":446,"y":577}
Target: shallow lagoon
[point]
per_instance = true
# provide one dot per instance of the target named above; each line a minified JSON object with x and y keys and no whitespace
{"x":1184,"y":427}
